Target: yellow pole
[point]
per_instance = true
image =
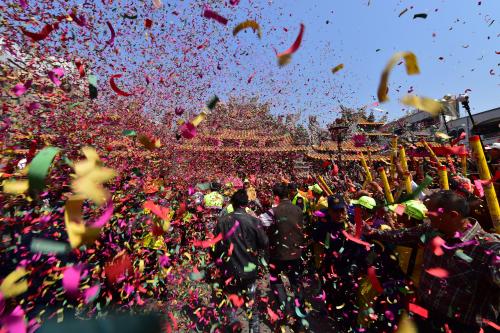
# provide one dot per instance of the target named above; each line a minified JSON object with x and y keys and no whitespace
{"x":367,"y":170}
{"x":463,"y":159}
{"x":387,"y":187}
{"x":431,"y":152}
{"x":325,"y":187}
{"x":404,"y":166}
{"x":443,"y":177}
{"x":393,"y":157}
{"x":484,"y":174}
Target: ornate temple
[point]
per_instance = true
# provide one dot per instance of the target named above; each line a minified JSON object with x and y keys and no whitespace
{"x":245,"y":138}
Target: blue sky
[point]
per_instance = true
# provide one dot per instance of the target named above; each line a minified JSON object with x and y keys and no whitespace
{"x":463,"y":37}
{"x":465,"y":34}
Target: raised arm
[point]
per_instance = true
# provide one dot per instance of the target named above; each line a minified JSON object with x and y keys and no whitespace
{"x":400,"y":236}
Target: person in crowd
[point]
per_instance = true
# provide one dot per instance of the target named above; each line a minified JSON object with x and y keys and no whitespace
{"x":460,"y":280}
{"x":286,"y":243}
{"x":237,"y":255}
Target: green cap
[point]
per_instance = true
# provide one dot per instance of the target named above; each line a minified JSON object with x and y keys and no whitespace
{"x":415,"y":209}
{"x":315,"y":188}
{"x":365,"y":201}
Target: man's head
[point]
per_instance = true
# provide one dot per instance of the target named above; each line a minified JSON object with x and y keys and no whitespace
{"x":239,"y":199}
{"x":336,"y":207}
{"x":280,"y":190}
{"x":447,"y":211}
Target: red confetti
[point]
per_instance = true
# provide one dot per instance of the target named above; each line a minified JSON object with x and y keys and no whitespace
{"x":418,"y":310}
{"x":295,"y":46}
{"x":213,"y":15}
{"x":38,"y":36}
{"x":438,"y":272}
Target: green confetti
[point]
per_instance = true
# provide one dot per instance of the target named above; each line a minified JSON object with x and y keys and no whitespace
{"x":250,"y":267}
{"x":46,"y":246}
{"x":39,"y":168}
{"x":460,"y":254}
{"x":129,"y":133}
{"x":213,"y":102}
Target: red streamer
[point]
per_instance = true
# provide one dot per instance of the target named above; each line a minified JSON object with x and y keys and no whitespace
{"x":115,"y":88}
{"x":213,"y":15}
{"x":295,"y":46}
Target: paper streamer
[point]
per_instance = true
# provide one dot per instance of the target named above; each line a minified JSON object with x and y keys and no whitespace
{"x":44,"y":33}
{"x":39,"y":168}
{"x":248,"y":24}
{"x":115,"y":87}
{"x":428,"y":105}
{"x":71,"y":280}
{"x":284,"y":57}
{"x":411,"y":69}
{"x":46,"y":246}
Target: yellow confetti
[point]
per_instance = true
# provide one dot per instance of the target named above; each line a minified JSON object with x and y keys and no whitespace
{"x":443,"y":136}
{"x":247,"y":24}
{"x":199,"y":118}
{"x":15,"y":186}
{"x":149,"y":143}
{"x":78,"y":232}
{"x":14,"y":284}
{"x":423,"y":103}
{"x":411,"y":69}
{"x":337,"y":68}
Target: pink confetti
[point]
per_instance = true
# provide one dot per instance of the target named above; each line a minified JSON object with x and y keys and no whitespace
{"x":71,"y":279}
{"x":21,"y":88}
{"x":438,"y":272}
{"x":436,"y":244}
{"x":55,"y":75}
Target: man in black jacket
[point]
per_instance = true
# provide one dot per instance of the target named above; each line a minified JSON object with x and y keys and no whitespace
{"x":285,"y":245}
{"x":237,"y":254}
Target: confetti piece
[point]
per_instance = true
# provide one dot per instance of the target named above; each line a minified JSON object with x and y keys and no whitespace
{"x":285,"y":57}
{"x":248,"y":24}
{"x":403,"y":12}
{"x":250,"y":267}
{"x":44,"y":33}
{"x":55,"y":75}
{"x":492,"y":324}
{"x":421,"y":15}
{"x":423,"y":103}
{"x":215,"y":16}
{"x":438,"y":272}
{"x":436,"y":244}
{"x":46,"y":246}
{"x":15,"y":186}
{"x":411,"y":69}
{"x":90,"y":294}
{"x":71,"y":280}
{"x":149,"y":142}
{"x":15,"y":283}
{"x":209,"y":242}
{"x":20,"y":88}
{"x":460,"y":254}
{"x":115,"y":87}
{"x":418,"y":310}
{"x":272,"y":315}
{"x":356,"y":240}
{"x":236,"y":300}
{"x":78,"y":233}
{"x":129,"y":133}
{"x":39,"y":168}
{"x":111,"y":40}
{"x":15,"y":322}
{"x":337,"y":68}
{"x":157,"y":4}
